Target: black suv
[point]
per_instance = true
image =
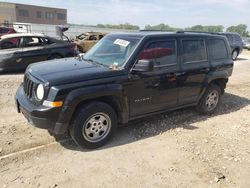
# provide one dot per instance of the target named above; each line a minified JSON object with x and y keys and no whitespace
{"x":235,"y":42}
{"x":123,"y":77}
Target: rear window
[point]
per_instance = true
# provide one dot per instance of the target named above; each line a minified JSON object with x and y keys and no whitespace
{"x":218,"y":49}
{"x":4,"y":30}
{"x":194,"y":50}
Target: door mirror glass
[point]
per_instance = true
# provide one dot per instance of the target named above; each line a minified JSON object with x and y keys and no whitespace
{"x":144,"y":65}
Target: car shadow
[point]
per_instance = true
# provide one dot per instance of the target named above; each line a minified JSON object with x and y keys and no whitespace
{"x":12,"y":73}
{"x":241,"y":59}
{"x":157,"y":124}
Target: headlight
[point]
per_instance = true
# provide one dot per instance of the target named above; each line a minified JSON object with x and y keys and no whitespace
{"x":40,"y":92}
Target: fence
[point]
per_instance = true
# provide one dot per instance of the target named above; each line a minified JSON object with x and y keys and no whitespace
{"x":50,"y":30}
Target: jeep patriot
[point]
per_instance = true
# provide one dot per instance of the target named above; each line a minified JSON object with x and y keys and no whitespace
{"x":123,"y":77}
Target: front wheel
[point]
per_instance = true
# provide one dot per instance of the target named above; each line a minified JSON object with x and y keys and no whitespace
{"x":210,"y":100}
{"x":93,"y":125}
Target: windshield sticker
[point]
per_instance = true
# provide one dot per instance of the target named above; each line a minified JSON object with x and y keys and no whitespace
{"x":121,"y":42}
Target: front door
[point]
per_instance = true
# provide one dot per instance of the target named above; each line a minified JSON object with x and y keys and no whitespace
{"x":158,"y":89}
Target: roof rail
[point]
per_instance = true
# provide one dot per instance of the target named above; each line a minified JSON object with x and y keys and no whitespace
{"x":158,"y":30}
{"x":215,"y":33}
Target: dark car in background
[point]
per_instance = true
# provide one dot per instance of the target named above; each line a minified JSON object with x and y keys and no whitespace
{"x":246,"y":43}
{"x":17,"y":51}
{"x":235,"y":42}
{"x":6,"y":30}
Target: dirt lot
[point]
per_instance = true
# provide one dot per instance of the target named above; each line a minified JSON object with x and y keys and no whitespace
{"x":176,"y":149}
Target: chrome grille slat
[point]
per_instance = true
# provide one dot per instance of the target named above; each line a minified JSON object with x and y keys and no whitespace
{"x":28,"y":86}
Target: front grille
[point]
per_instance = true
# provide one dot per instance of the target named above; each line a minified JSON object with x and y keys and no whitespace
{"x":28,"y":86}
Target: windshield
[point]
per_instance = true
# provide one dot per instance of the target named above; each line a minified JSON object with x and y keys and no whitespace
{"x":112,"y":50}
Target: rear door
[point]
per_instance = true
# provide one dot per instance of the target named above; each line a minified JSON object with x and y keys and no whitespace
{"x":33,"y":50}
{"x":195,"y":65}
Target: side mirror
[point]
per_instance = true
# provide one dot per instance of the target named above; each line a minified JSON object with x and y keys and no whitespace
{"x":144,"y":65}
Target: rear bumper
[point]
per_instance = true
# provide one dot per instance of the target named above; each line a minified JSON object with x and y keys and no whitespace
{"x":39,"y":116}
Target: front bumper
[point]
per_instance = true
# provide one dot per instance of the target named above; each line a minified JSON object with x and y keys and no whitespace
{"x":39,"y":116}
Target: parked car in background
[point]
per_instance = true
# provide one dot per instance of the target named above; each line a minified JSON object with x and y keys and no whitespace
{"x":235,"y":42}
{"x":246,"y":43}
{"x":85,"y":41}
{"x":6,"y":30}
{"x":17,"y":51}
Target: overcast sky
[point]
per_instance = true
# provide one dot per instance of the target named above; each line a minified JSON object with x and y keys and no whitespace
{"x":178,"y":13}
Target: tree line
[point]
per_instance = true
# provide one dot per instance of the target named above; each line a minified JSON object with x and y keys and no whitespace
{"x":241,"y":28}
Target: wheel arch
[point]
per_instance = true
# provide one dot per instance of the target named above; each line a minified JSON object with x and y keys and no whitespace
{"x":110,"y":94}
{"x":221,"y":82}
{"x":54,"y":54}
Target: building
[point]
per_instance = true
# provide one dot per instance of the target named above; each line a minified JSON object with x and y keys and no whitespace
{"x":12,"y":12}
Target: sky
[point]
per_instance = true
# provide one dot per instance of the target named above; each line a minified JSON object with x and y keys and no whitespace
{"x":178,"y":13}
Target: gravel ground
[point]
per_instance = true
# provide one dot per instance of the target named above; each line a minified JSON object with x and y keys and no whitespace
{"x":176,"y":149}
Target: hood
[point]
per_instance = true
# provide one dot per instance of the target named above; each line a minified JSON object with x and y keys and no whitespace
{"x":69,"y":70}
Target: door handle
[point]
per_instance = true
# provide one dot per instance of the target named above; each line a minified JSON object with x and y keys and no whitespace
{"x":179,"y":73}
{"x":205,"y":70}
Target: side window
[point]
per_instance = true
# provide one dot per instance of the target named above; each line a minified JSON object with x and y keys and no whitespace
{"x":10,"y":43}
{"x":92,"y":37}
{"x":4,"y":30}
{"x":193,"y":50}
{"x":47,"y":41}
{"x":230,"y":38}
{"x":31,"y":42}
{"x":161,"y":52}
{"x":218,"y":49}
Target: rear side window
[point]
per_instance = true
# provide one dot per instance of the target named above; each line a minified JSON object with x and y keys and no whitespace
{"x":230,"y":38}
{"x":194,"y":50}
{"x":4,"y":30}
{"x":218,"y":49}
{"x":161,"y":52}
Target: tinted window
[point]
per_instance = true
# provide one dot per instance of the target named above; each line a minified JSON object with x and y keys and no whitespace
{"x":237,"y":38}
{"x":61,"y":16}
{"x":194,"y":50}
{"x":218,"y":49}
{"x":162,"y":52}
{"x":4,"y":30}
{"x":31,"y":41}
{"x":230,"y":38}
{"x":23,"y":13}
{"x":39,"y":14}
{"x":9,"y":43}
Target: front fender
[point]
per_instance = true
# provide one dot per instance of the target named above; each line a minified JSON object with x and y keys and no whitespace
{"x":80,"y":95}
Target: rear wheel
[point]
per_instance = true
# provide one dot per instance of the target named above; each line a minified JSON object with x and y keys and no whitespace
{"x":235,"y":54}
{"x":210,"y":100}
{"x":93,"y":125}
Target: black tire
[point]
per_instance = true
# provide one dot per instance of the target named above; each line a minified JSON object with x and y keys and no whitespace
{"x":82,"y":131}
{"x":235,"y":54}
{"x":205,"y":105}
{"x":54,"y":56}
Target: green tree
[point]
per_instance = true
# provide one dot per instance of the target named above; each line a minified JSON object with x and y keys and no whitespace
{"x":241,"y":29}
{"x":126,"y":26}
{"x":161,"y":27}
{"x":206,"y":28}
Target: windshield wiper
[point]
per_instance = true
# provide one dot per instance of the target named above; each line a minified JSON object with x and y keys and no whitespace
{"x":95,"y":62}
